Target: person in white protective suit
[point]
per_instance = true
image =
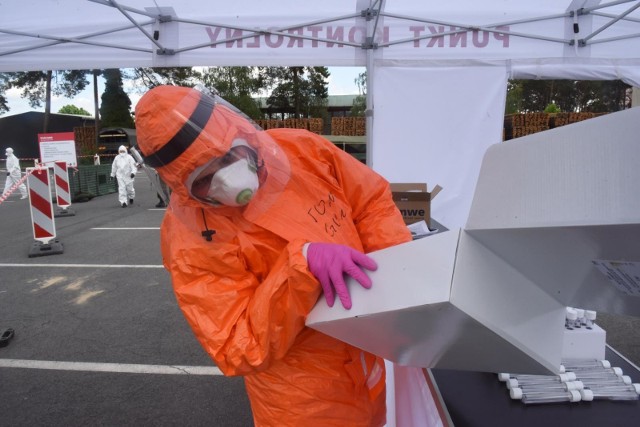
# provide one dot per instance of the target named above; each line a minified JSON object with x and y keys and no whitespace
{"x":13,"y":174}
{"x":124,"y":169}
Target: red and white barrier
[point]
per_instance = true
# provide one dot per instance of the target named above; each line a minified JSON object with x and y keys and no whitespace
{"x":61,"y":173}
{"x":44,"y":226}
{"x":63,"y":192}
{"x":42,"y":218}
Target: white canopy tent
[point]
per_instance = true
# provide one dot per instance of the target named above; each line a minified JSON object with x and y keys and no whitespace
{"x":437,"y":70}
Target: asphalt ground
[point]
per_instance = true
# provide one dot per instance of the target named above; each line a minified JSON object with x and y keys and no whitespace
{"x":99,"y":338}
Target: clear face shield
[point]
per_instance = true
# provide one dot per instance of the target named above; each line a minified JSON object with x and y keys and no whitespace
{"x":228,"y":159}
{"x":230,"y":180}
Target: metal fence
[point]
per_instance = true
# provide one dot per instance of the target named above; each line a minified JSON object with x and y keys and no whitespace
{"x":88,"y":181}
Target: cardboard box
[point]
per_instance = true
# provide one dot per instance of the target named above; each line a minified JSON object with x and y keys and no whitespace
{"x":414,"y":201}
{"x":555,"y":222}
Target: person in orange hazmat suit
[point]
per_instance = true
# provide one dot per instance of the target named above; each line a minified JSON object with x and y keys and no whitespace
{"x":259,"y":224}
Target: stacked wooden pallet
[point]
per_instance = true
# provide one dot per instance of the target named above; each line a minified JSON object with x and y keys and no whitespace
{"x":337,"y":126}
{"x":313,"y":125}
{"x":316,"y":125}
{"x":517,"y":125}
{"x":349,"y":126}
{"x":562,"y":119}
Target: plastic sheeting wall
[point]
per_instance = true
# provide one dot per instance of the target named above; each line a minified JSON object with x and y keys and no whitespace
{"x":433,"y":126}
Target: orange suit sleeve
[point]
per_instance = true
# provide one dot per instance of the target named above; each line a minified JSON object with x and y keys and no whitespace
{"x":244,"y":318}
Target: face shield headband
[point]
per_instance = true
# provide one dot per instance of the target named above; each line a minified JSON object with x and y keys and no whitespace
{"x":185,"y":136}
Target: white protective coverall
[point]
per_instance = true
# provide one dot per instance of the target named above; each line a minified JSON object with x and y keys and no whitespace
{"x":124,"y":169}
{"x":13,"y":174}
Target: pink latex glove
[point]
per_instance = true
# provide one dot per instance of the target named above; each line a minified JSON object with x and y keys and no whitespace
{"x":330,"y":261}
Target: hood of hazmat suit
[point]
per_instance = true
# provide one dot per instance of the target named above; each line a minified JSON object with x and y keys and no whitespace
{"x":238,"y":272}
{"x":212,"y":128}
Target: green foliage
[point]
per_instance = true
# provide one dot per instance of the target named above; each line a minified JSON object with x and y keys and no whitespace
{"x":72,"y":109}
{"x":552,"y":108}
{"x":298,"y":91}
{"x":525,"y":96}
{"x":86,"y":156}
{"x":514,"y":97}
{"x":115,"y":110}
{"x":4,"y":102}
{"x":359,"y":106}
{"x":360,"y":103}
{"x":237,"y":85}
{"x":35,"y":84}
{"x":361,"y":82}
{"x":147,"y":78}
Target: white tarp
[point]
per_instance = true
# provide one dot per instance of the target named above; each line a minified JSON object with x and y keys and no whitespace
{"x":434,"y":125}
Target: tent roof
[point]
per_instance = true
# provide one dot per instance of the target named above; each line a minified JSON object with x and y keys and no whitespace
{"x":81,"y":34}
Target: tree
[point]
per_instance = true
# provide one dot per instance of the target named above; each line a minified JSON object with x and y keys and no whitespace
{"x":552,"y":108}
{"x":116,"y":105}
{"x":148,"y":78}
{"x":72,"y":109}
{"x":4,"y":102}
{"x":237,"y":85}
{"x":514,"y":97}
{"x":568,"y":95}
{"x":298,"y":91}
{"x":37,"y":87}
{"x":360,"y":103}
{"x":96,"y":108}
{"x":610,"y":95}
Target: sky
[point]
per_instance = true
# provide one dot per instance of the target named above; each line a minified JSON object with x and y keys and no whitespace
{"x":341,"y":82}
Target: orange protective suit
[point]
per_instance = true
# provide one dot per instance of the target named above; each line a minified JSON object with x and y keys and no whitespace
{"x":246,"y":292}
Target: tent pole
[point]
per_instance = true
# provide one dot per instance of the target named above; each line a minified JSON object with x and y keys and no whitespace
{"x":610,"y":23}
{"x":372,"y":15}
{"x":369,"y":109}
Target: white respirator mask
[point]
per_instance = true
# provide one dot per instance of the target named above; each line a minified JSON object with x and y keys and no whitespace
{"x":235,"y":184}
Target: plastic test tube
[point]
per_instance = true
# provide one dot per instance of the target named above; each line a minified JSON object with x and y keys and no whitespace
{"x":550,"y":397}
{"x":604,"y":394}
{"x":570,"y":318}
{"x":546,"y":387}
{"x":598,"y":372}
{"x":519,"y":380}
{"x":580,"y":321}
{"x":619,"y":387}
{"x":581,"y":363}
{"x":568,"y":376}
{"x":591,"y":382}
{"x":590,"y":318}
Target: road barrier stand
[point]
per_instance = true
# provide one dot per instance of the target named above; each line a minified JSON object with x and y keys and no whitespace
{"x":63,"y":193}
{"x":42,"y":218}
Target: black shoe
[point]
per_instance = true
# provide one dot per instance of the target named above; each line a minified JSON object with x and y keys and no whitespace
{"x":6,"y":337}
{"x":124,"y":205}
{"x":160,"y":205}
{"x":130,"y":201}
